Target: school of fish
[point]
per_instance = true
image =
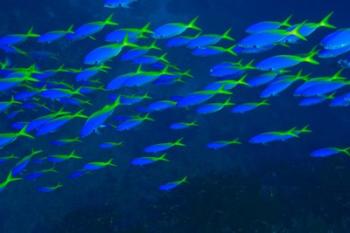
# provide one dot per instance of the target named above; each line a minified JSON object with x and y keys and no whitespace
{"x":37,"y":102}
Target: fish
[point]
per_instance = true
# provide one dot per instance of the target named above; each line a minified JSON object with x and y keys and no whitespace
{"x":161,"y":105}
{"x":216,"y":145}
{"x":139,"y":51}
{"x":50,"y":189}
{"x":89,"y":29}
{"x":134,"y":99}
{"x":311,"y":101}
{"x":268,"y":25}
{"x":231,"y":69}
{"x":180,"y":41}
{"x":98,"y":118}
{"x":272,"y":136}
{"x":206,"y":40}
{"x":183,"y":125}
{"x":269,"y":38}
{"x":10,"y":137}
{"x":9,"y":179}
{"x":142,"y":161}
{"x":282,"y":62}
{"x":110,"y":145}
{"x":309,"y":28}
{"x":37,"y":174}
{"x":102,"y":54}
{"x":22,"y":164}
{"x":133,"y":121}
{"x":337,"y":40}
{"x":213,"y":107}
{"x":52,"y":125}
{"x":341,"y":101}
{"x":59,"y":158}
{"x":199,"y":97}
{"x":52,"y":36}
{"x":15,"y":39}
{"x":93,"y":166}
{"x":4,"y":159}
{"x":156,"y":148}
{"x":4,"y":105}
{"x":247,"y":107}
{"x":173,"y":184}
{"x":227,"y":84}
{"x":134,"y":34}
{"x":330,"y":151}
{"x":118,"y":3}
{"x":213,"y":50}
{"x":88,"y":73}
{"x":170,"y":30}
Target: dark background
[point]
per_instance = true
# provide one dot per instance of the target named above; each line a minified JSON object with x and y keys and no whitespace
{"x":248,"y":188}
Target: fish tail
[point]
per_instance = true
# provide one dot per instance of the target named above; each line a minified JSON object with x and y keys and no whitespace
{"x":23,"y":133}
{"x":163,"y":158}
{"x":223,"y":91}
{"x":31,"y":34}
{"x":346,"y":151}
{"x":110,"y":163}
{"x":146,"y":96}
{"x":306,"y":129}
{"x":70,"y":29}
{"x":20,"y":51}
{"x":184,"y":180}
{"x":187,"y":73}
{"x":310,"y":56}
{"x":154,"y":46}
{"x":79,"y":114}
{"x":193,"y":123}
{"x":337,"y":74}
{"x":296,"y":31}
{"x":73,"y":155}
{"x":325,"y":22}
{"x":163,"y":58}
{"x":10,"y":178}
{"x":146,"y":28}
{"x":109,"y":21}
{"x":242,"y":81}
{"x":148,"y":118}
{"x":264,"y":102}
{"x":127,"y":43}
{"x":226,"y":35}
{"x":249,"y":66}
{"x":14,"y":101}
{"x":286,"y":22}
{"x":228,"y":102}
{"x":117,"y":102}
{"x":193,"y":25}
{"x":235,"y":141}
{"x":231,"y":51}
{"x":179,"y":142}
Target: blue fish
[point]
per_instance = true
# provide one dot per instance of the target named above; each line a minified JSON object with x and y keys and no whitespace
{"x":105,"y":53}
{"x":268,"y":26}
{"x":330,"y":151}
{"x":216,"y":145}
{"x":209,"y":39}
{"x":142,"y":161}
{"x":173,"y":184}
{"x":156,"y":148}
{"x":118,"y":3}
{"x":53,"y":36}
{"x":174,"y":29}
{"x":89,"y":29}
{"x":98,"y":118}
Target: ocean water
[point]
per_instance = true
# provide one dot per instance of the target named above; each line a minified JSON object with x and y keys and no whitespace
{"x":274,"y":188}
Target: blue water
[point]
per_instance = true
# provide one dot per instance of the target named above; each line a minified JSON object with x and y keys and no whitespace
{"x":240,"y":189}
